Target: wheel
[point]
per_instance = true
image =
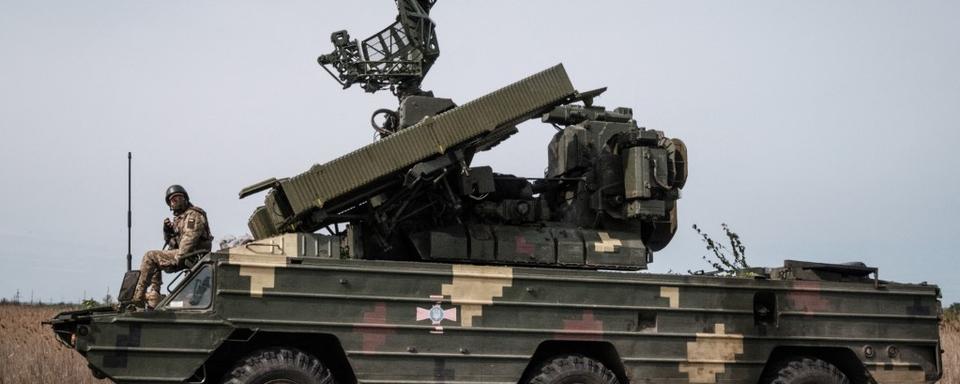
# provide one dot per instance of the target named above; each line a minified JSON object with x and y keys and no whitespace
{"x":279,"y":366}
{"x":807,"y":371}
{"x":573,"y":369}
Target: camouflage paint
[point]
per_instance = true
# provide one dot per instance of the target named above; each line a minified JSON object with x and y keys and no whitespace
{"x":706,"y":357}
{"x":258,"y":265}
{"x":474,"y":286}
{"x":897,"y":374}
{"x":506,"y":313}
{"x":672,"y":294}
{"x":606,"y":243}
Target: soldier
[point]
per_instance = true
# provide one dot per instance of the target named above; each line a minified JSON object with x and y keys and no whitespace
{"x":187,"y":235}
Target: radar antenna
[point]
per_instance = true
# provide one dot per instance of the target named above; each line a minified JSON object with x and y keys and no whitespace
{"x":396,"y":58}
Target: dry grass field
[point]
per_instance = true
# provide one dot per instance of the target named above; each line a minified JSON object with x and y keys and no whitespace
{"x":950,"y":337}
{"x":30,"y":354}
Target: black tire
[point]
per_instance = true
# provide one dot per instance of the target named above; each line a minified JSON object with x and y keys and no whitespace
{"x":807,"y":371}
{"x":279,"y":366}
{"x":573,"y":369}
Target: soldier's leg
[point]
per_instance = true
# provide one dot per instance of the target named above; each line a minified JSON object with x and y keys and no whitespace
{"x":149,"y":269}
{"x":167,"y":260}
{"x":164,"y":261}
{"x":156,"y":280}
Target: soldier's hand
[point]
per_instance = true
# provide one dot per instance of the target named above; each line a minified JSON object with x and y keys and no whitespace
{"x":168,"y":231}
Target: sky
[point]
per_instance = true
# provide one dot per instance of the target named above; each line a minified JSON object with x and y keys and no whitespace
{"x":818,"y":130}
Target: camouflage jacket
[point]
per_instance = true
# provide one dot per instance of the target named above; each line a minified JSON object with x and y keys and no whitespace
{"x":191,"y":232}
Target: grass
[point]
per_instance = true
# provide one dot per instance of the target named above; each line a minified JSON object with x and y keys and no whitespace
{"x":950,"y":337}
{"x":30,"y":354}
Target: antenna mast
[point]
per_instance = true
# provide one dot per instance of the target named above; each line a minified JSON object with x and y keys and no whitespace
{"x":129,"y":211}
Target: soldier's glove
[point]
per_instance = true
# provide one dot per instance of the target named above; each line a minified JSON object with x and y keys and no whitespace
{"x":168,"y":231}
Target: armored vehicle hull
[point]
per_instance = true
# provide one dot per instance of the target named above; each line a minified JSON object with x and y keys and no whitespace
{"x":371,"y":321}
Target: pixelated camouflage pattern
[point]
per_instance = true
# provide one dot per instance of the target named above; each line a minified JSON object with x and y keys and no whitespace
{"x":151,"y":270}
{"x":191,"y":236}
{"x":664,"y":328}
{"x":192,"y":232}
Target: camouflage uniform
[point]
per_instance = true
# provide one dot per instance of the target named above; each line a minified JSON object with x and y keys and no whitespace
{"x":191,"y":236}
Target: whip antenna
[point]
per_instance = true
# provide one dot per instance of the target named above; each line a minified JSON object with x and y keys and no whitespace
{"x":129,"y":212}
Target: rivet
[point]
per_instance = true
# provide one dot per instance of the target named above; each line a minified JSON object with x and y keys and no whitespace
{"x":343,"y":281}
{"x":412,"y":349}
{"x":868,"y":351}
{"x":892,"y":351}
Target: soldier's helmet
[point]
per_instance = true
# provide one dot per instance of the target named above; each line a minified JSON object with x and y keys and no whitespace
{"x":174,"y":189}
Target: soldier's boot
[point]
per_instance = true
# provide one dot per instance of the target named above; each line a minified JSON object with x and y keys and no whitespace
{"x":142,"y":291}
{"x":148,"y":276}
{"x":138,"y":294}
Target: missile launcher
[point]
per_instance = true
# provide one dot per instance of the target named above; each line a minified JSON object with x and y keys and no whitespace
{"x":607,"y":200}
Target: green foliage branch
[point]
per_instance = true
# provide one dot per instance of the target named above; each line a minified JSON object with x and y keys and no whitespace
{"x":726,"y":260}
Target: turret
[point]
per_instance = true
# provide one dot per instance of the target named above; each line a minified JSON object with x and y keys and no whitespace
{"x":607,"y":200}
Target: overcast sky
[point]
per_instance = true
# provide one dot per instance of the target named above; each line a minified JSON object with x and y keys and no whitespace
{"x":819,"y":130}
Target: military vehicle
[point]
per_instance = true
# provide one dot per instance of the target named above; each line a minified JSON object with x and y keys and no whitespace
{"x":402,"y":262}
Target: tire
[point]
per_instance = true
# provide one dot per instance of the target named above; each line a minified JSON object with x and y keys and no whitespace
{"x":807,"y":371}
{"x":279,"y":366}
{"x":573,"y":369}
